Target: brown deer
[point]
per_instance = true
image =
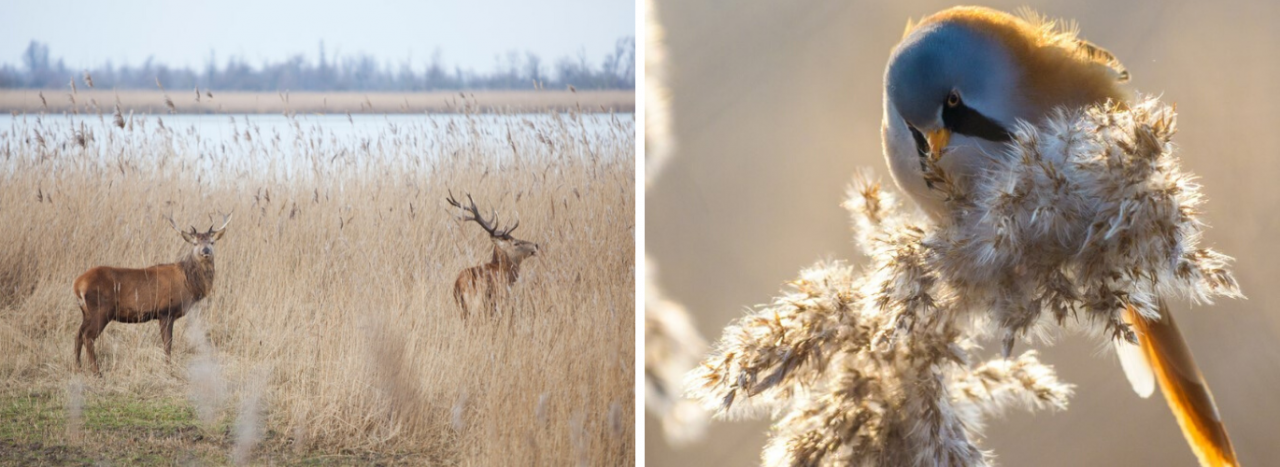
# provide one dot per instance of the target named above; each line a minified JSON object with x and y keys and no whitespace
{"x":502,"y":270}
{"x":164,"y":291}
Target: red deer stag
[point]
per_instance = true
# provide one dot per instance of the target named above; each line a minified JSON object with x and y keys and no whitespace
{"x":502,"y":270}
{"x":164,"y":291}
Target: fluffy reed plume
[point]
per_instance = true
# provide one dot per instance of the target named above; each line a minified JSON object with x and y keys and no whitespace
{"x":395,"y":378}
{"x":207,"y":390}
{"x":672,"y":347}
{"x":75,"y":408}
{"x":578,"y":436}
{"x":88,"y":80}
{"x":1085,"y":216}
{"x":540,"y":413}
{"x":658,"y":140}
{"x":617,"y":420}
{"x":457,"y":416}
{"x":248,"y":426}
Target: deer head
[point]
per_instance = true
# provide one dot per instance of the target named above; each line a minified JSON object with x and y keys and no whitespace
{"x":515,"y":249}
{"x":202,"y":241}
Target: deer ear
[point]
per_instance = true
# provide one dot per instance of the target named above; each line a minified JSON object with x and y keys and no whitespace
{"x":189,"y":237}
{"x":217,"y":235}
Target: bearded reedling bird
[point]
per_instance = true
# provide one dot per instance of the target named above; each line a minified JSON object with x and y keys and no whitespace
{"x":955,"y":88}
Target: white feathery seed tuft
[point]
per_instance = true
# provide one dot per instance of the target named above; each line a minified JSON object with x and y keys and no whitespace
{"x":1086,"y":215}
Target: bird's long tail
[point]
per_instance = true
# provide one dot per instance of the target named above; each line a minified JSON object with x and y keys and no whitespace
{"x":1184,"y":387}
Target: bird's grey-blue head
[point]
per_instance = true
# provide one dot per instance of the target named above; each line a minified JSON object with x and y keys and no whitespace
{"x":961,"y":81}
{"x":949,"y":75}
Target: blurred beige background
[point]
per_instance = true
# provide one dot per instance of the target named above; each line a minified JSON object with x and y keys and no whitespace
{"x":775,"y":104}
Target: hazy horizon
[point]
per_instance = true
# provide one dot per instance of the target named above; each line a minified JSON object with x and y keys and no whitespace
{"x":184,"y":35}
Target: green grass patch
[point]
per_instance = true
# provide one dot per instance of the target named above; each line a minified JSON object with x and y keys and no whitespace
{"x":128,"y":414}
{"x":41,"y":415}
{"x":36,"y":414}
{"x":117,"y":429}
{"x":123,"y":430}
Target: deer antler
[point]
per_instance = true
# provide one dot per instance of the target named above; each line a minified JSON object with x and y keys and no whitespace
{"x":507,"y":233}
{"x":475,"y":216}
{"x":185,"y":235}
{"x":226,"y":219}
{"x":173,"y":224}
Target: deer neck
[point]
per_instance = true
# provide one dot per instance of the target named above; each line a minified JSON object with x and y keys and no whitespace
{"x":199,"y":272}
{"x":502,"y":262}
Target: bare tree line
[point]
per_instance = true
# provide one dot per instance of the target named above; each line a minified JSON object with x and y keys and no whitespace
{"x":352,"y":72}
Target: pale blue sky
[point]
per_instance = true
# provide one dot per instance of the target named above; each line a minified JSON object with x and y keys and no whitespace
{"x":468,"y":33}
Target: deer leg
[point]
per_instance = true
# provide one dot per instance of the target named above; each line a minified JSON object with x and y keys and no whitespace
{"x":462,"y":301}
{"x":93,"y":357}
{"x":492,"y":299}
{"x":91,"y":334}
{"x":84,"y":326}
{"x":459,"y":296}
{"x":166,"y":336}
{"x":495,"y":319}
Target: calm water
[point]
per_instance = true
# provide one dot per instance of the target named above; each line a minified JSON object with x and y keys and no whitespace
{"x":254,"y":142}
{"x":224,"y":126}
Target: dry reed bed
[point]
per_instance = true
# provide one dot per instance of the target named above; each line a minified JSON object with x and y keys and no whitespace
{"x":331,"y":312}
{"x":90,"y":101}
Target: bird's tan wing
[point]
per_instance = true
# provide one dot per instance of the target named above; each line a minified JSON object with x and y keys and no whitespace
{"x":1102,"y":57}
{"x":1184,"y":387}
{"x":1133,"y":359}
{"x":1064,"y":34}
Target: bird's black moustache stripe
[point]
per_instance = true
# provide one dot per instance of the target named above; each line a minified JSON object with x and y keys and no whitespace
{"x":962,"y":120}
{"x":922,"y":149}
{"x":966,"y":121}
{"x":922,"y":145}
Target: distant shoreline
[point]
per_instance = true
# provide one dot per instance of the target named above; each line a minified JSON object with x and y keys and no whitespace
{"x":184,"y":102}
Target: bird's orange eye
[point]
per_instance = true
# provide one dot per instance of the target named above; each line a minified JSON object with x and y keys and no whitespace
{"x":953,"y":99}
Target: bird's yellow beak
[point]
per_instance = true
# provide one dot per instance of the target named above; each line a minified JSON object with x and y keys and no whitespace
{"x":938,"y":141}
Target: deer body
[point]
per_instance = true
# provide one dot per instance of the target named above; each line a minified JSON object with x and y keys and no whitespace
{"x":488,"y":281}
{"x":162,"y":292}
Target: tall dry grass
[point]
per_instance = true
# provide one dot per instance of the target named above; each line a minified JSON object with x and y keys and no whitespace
{"x":331,"y":321}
